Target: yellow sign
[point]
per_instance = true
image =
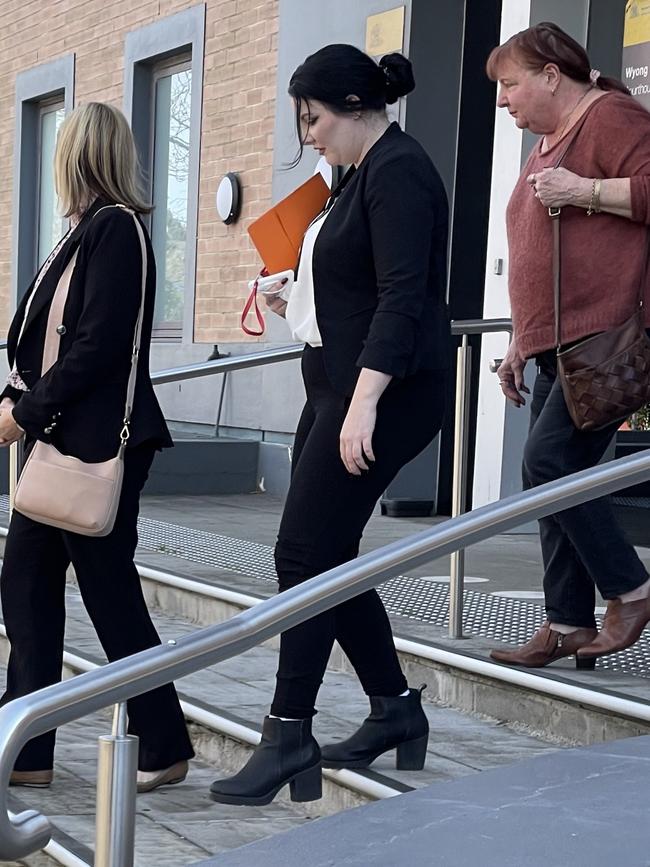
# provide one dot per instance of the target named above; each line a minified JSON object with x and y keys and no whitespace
{"x":385,"y":32}
{"x":637,"y":22}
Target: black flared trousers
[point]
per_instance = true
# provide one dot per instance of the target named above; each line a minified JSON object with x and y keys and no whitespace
{"x":32,"y":585}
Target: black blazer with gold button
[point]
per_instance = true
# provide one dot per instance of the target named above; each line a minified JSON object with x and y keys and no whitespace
{"x":79,"y":404}
{"x":379,"y":267}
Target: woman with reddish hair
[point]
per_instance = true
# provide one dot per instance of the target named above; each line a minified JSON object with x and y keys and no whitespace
{"x":593,"y":161}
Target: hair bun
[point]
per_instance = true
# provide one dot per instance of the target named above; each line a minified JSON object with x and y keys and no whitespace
{"x":399,"y":76}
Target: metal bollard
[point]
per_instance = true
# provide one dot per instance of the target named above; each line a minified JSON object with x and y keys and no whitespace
{"x":117,"y":768}
{"x":461,"y":440}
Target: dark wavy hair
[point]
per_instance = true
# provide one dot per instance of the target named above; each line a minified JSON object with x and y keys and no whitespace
{"x":337,"y":72}
{"x":547,"y":43}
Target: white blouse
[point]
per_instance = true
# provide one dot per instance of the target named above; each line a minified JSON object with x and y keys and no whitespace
{"x":301,"y":309}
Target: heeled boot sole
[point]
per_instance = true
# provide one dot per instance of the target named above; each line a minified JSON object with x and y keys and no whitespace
{"x":304,"y":786}
{"x":410,"y":756}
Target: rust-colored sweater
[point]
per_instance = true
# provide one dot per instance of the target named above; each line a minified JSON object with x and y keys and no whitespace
{"x":602,"y":255}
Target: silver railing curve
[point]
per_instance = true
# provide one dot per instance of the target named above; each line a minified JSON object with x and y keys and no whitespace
{"x":225,"y":365}
{"x":464,"y":327}
{"x":32,"y":715}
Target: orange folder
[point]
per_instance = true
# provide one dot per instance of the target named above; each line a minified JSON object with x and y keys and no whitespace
{"x":278,"y":233}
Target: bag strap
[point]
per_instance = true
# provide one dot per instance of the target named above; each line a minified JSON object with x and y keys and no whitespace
{"x":55,"y":317}
{"x":555,"y":215}
{"x":251,"y":303}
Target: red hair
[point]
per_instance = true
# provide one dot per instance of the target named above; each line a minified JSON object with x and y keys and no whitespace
{"x":547,"y":43}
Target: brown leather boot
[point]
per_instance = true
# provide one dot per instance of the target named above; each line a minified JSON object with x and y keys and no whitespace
{"x":546,"y":646}
{"x":622,"y":627}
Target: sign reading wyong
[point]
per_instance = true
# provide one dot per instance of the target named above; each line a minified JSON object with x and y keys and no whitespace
{"x":636,"y":50}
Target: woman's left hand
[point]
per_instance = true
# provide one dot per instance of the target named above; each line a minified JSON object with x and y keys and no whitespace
{"x":9,"y":430}
{"x":355,"y":440}
{"x":557,"y":188}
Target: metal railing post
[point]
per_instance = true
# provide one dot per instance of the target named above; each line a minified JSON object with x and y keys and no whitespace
{"x":13,"y":473}
{"x":461,"y":441}
{"x":117,"y":768}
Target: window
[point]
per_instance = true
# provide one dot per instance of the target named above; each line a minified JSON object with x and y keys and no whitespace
{"x":51,"y":226}
{"x":44,"y":94}
{"x":170,"y":164}
{"x":163,"y":86}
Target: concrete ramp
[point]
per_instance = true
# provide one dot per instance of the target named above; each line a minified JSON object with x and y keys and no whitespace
{"x":585,"y":807}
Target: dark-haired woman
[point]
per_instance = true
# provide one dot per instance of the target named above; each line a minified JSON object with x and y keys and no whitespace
{"x":369,"y":303}
{"x":601,"y":137}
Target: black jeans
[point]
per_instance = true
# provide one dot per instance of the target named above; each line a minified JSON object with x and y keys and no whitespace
{"x":322,"y":524}
{"x":32,"y":586}
{"x":584,"y":545}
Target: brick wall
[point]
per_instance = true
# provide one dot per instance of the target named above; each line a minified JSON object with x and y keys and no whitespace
{"x":237,"y":123}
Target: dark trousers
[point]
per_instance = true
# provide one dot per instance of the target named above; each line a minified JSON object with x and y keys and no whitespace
{"x":325,"y":513}
{"x":584,"y":545}
{"x":32,"y":585}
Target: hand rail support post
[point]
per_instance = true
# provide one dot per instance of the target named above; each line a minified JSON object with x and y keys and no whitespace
{"x":117,"y":768}
{"x":461,"y":441}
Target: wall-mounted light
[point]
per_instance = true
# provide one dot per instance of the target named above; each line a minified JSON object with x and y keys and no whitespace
{"x":228,"y":199}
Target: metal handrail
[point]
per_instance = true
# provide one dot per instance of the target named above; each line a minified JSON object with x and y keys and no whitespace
{"x":225,"y":365}
{"x":464,"y":327}
{"x":480,"y":326}
{"x":32,"y":715}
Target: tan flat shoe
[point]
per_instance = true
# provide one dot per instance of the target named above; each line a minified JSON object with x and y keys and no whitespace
{"x":149,"y":780}
{"x":32,"y":779}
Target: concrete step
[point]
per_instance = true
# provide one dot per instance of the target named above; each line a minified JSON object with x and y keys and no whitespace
{"x":175,"y":825}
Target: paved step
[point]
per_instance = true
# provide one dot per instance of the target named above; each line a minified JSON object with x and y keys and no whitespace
{"x":174,"y":825}
{"x":226,"y":704}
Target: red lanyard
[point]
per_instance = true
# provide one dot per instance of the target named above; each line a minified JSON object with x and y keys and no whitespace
{"x":251,"y":303}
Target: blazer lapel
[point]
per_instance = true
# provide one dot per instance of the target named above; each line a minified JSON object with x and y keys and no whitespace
{"x":50,"y":281}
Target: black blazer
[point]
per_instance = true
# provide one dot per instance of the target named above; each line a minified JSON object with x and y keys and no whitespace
{"x":82,"y":396}
{"x":379,"y":266}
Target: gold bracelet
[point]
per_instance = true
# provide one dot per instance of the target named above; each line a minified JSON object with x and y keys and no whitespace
{"x":594,"y":201}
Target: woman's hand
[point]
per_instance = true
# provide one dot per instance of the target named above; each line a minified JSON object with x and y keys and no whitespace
{"x":355,"y":440}
{"x":274,"y":302}
{"x":557,"y":188}
{"x":10,"y":432}
{"x":511,"y":375}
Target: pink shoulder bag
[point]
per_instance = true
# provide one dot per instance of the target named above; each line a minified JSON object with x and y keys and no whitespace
{"x":61,"y":490}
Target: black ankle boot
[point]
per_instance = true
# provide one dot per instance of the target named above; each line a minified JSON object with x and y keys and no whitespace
{"x":287,"y":753}
{"x":394,"y":721}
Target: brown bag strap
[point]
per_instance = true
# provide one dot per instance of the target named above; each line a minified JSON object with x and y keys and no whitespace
{"x":554,"y":214}
{"x":55,"y":319}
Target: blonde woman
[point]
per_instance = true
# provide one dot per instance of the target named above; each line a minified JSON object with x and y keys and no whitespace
{"x":78,"y":405}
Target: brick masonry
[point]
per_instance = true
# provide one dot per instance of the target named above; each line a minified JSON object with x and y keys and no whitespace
{"x":237,"y":122}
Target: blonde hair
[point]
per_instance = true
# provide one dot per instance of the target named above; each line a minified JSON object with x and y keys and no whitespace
{"x":96,"y":156}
